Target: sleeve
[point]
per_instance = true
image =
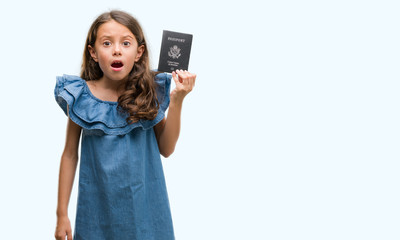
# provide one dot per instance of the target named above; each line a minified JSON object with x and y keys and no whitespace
{"x":163,"y":86}
{"x":67,"y":89}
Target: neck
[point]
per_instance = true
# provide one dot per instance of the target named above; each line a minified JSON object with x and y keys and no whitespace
{"x":112,"y":85}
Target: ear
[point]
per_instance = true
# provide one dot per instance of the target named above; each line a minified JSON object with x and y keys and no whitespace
{"x":92,"y":52}
{"x":140,"y":52}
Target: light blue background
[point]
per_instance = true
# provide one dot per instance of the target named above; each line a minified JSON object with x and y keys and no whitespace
{"x":292,"y":130}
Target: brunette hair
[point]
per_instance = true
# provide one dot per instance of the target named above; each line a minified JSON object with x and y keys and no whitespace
{"x":139,"y":98}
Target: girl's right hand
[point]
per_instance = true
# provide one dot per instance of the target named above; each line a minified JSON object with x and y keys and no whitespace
{"x":63,"y":229}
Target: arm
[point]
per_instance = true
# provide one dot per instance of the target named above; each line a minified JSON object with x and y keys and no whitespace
{"x":167,"y":131}
{"x":68,"y":164}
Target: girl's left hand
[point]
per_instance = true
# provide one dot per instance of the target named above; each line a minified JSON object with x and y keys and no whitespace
{"x":184,"y":82}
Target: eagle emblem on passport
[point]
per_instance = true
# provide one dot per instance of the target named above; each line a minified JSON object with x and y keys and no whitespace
{"x":174,"y":52}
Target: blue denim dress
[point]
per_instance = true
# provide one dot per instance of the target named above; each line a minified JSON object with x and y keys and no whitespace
{"x":122,"y":192}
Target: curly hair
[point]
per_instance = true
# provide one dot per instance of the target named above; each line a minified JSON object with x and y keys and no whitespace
{"x":139,"y":98}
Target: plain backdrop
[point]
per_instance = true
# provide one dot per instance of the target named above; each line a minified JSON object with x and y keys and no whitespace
{"x":292,"y":130}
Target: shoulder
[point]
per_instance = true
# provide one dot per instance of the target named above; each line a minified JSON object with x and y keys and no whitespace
{"x":163,"y":86}
{"x":71,"y":83}
{"x":66,"y":79}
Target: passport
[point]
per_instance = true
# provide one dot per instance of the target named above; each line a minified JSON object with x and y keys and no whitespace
{"x":175,"y":51}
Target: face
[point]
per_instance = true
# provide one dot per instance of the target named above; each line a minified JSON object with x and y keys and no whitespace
{"x":116,"y":50}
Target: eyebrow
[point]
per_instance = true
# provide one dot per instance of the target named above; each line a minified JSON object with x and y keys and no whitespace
{"x":108,"y":36}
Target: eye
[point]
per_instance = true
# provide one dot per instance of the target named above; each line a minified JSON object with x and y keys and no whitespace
{"x":126,"y":43}
{"x":107,"y":43}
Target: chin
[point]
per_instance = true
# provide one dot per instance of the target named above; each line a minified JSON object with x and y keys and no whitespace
{"x":115,"y":77}
{"x":119,"y":79}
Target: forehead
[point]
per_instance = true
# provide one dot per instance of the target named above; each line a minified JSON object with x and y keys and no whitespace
{"x":113,"y":29}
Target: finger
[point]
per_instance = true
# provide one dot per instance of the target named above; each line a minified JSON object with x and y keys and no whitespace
{"x":191,"y":78}
{"x":69,"y":235}
{"x":180,"y":75}
{"x":194,"y":79}
{"x":175,"y":77}
{"x":183,"y":75}
{"x":60,"y":237}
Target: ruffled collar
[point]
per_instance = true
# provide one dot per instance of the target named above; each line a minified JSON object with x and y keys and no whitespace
{"x":91,"y":113}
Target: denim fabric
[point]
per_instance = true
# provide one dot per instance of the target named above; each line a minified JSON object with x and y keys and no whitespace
{"x":122,"y":192}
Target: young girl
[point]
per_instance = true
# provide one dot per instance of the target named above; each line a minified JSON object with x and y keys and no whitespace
{"x":119,"y":106}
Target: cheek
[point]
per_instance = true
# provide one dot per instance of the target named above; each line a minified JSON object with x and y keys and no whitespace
{"x":131,"y":57}
{"x":133,"y":54}
{"x":102,"y":59}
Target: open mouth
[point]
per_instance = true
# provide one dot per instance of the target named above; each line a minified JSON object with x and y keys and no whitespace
{"x":117,"y":65}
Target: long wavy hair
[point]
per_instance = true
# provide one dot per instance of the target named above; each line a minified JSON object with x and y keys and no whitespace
{"x":139,"y":98}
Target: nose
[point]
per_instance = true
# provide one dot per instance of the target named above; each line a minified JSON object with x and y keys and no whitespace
{"x":117,"y":50}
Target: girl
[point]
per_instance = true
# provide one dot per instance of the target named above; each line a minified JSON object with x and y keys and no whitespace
{"x":119,"y":106}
